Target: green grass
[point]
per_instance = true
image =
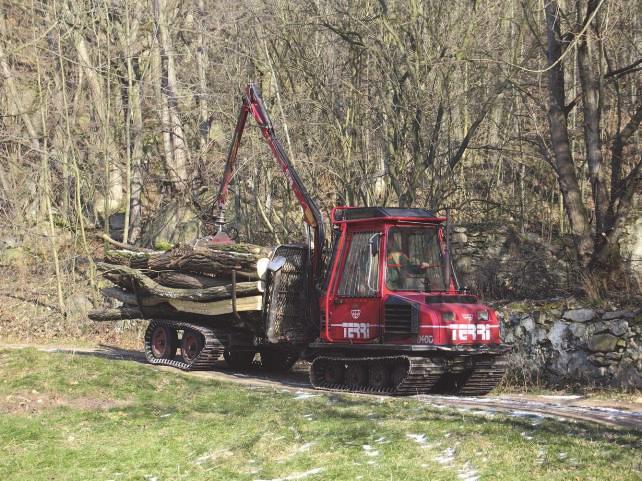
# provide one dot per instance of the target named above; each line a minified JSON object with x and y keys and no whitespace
{"x":115,"y":420}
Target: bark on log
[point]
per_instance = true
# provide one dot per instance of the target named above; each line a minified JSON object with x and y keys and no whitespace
{"x":131,"y":278}
{"x":137,"y":260}
{"x":162,"y":311}
{"x":188,"y":281}
{"x":129,"y":298}
{"x":206,"y":260}
{"x":250,"y":321}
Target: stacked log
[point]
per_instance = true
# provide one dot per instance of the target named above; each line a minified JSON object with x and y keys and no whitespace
{"x":189,"y":282}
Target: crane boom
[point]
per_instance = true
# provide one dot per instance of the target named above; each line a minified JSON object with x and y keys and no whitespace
{"x":253,"y":103}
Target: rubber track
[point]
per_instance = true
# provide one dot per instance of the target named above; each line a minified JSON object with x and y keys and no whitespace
{"x":212,"y":349}
{"x":422,"y":374}
{"x":486,"y":374}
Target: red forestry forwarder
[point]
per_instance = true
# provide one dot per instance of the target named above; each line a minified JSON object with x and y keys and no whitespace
{"x":381,"y":312}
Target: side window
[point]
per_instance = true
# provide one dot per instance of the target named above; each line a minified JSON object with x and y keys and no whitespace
{"x":361,"y":271}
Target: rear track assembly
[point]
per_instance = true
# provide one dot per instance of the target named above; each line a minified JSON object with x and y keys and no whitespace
{"x":214,"y":343}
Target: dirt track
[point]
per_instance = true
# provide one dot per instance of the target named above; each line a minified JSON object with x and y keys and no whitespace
{"x":563,"y":408}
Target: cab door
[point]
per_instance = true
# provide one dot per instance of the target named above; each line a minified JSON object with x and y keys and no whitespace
{"x":355,"y":311}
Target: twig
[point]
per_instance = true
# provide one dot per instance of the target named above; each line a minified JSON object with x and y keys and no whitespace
{"x":121,"y":245}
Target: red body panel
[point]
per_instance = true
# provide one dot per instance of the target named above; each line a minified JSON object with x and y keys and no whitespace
{"x":359,"y":320}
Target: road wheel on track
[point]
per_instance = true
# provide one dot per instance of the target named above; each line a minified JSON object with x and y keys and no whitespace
{"x":399,"y":372}
{"x":278,"y":361}
{"x":356,"y":375}
{"x":379,"y":376}
{"x":239,"y":359}
{"x":191,"y":345}
{"x":334,"y":373}
{"x":164,"y":342}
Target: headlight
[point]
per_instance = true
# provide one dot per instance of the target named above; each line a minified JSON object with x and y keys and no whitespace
{"x":482,"y":316}
{"x":448,"y":316}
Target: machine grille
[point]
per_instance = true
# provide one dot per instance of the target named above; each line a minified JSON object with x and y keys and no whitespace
{"x":398,"y":319}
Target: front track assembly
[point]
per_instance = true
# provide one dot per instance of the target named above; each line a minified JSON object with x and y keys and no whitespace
{"x":397,"y":375}
{"x":406,"y":375}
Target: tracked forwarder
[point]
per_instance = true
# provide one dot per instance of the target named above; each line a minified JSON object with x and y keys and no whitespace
{"x":380,"y":310}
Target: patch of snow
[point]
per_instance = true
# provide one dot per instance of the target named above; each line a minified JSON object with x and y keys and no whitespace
{"x":305,"y":447}
{"x":536,"y":419}
{"x":418,"y":438}
{"x":525,"y":414}
{"x":562,"y":456}
{"x":490,"y":413}
{"x":165,"y":415}
{"x":213,"y":455}
{"x":295,"y":476}
{"x":468,"y":473}
{"x":569,"y":397}
{"x":149,"y":477}
{"x":446,"y":457}
{"x":381,"y":440}
{"x":370,"y":451}
{"x":304,"y":395}
{"x":541,"y":456}
{"x":526,"y":436}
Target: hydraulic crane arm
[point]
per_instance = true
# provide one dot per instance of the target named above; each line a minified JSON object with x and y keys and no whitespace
{"x":252,"y":103}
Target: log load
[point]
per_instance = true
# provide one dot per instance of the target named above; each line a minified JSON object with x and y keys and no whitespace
{"x":199,"y":282}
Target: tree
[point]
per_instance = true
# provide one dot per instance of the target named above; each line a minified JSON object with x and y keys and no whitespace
{"x":595,"y":240}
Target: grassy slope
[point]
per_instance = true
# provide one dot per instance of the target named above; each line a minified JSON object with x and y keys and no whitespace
{"x":112,"y":420}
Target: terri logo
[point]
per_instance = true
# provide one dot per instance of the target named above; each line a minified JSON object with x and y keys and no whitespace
{"x":355,"y":313}
{"x":356,"y":330}
{"x":470,"y":332}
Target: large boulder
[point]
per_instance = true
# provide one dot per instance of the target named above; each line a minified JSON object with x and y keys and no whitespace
{"x":608,"y":316}
{"x":602,"y":343}
{"x":579,"y":315}
{"x":619,"y":327}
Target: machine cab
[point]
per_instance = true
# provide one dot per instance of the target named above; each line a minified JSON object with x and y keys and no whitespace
{"x":390,"y":280}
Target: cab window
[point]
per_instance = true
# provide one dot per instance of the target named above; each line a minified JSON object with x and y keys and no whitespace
{"x":361,"y":270}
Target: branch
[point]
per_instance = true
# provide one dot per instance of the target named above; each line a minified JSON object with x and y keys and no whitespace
{"x":128,"y":247}
{"x":624,"y":70}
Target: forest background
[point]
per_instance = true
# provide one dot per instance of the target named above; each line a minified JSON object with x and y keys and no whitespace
{"x":512,"y":113}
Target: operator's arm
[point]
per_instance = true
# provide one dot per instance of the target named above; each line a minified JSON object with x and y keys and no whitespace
{"x":412,"y":268}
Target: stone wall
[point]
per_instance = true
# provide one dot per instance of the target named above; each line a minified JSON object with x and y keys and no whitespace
{"x":506,"y":264}
{"x":561,"y":343}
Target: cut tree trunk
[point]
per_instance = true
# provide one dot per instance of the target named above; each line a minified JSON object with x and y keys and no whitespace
{"x":205,"y":260}
{"x":137,"y":260}
{"x":132,"y":279}
{"x":188,"y":281}
{"x":162,"y":311}
{"x":250,"y":321}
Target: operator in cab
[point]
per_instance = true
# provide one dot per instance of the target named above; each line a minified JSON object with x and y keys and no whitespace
{"x":401,"y":269}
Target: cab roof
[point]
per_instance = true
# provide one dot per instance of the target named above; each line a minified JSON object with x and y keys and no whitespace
{"x":346,"y":214}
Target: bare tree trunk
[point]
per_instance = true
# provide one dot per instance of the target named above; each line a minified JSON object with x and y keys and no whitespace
{"x":100,"y":104}
{"x":564,"y":165}
{"x":591,"y":100}
{"x":180,"y":153}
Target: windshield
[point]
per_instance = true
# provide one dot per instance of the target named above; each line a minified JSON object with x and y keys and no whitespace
{"x":414,"y":260}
